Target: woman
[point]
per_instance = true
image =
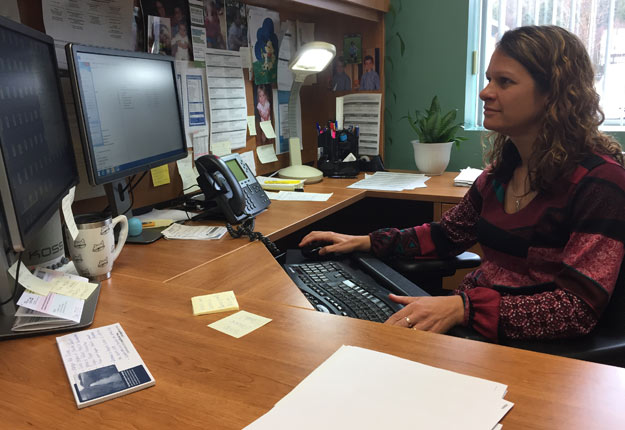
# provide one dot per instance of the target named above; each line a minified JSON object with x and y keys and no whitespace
{"x":548,"y":211}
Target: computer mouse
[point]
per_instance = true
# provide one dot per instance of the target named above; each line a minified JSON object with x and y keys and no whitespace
{"x":311,"y":251}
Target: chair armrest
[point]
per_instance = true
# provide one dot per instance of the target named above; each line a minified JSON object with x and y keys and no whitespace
{"x":444,"y":267}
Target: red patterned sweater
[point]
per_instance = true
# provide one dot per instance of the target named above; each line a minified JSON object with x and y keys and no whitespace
{"x":548,"y":270}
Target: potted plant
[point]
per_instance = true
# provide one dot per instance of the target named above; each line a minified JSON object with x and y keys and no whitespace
{"x":436,"y":132}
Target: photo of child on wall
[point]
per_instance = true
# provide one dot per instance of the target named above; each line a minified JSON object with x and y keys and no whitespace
{"x":263,"y":106}
{"x":172,"y":35}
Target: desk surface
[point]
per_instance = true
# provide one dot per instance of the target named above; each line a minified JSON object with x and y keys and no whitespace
{"x":206,"y":379}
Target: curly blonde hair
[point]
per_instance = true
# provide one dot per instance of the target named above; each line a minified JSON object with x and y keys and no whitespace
{"x":561,"y":68}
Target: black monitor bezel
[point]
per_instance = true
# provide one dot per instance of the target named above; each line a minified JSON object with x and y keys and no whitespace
{"x":18,"y":237}
{"x":71,"y":50}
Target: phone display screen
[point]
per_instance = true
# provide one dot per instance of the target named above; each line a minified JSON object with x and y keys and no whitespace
{"x":236,"y":169}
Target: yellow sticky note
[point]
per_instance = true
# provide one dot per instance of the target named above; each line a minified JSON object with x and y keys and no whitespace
{"x":239,"y":324}
{"x":251,"y":125}
{"x":211,"y":303}
{"x":160,"y":175}
{"x":72,"y":287}
{"x":268,"y":129}
{"x":221,"y":148}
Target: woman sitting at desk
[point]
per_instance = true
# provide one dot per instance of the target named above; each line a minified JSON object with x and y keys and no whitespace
{"x":548,"y":211}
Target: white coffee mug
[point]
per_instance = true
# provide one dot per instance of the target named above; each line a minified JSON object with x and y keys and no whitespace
{"x":93,"y":251}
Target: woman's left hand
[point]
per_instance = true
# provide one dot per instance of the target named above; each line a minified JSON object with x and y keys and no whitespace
{"x":437,"y":314}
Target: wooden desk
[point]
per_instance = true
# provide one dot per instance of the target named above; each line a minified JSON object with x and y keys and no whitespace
{"x":208,"y":380}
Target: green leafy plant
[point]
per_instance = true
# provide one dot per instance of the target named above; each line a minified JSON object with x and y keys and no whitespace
{"x":435,"y":127}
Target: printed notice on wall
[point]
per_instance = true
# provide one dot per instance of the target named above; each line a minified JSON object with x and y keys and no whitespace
{"x":106,"y":23}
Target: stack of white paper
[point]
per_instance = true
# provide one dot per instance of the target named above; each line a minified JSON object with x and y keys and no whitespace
{"x":467,"y":177}
{"x":192,"y":232}
{"x":389,"y":181}
{"x":361,"y":389}
{"x":297,"y":196}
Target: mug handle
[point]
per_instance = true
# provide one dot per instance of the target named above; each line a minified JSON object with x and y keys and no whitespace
{"x":123,"y":234}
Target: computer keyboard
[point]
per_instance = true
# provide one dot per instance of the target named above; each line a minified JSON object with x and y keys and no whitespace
{"x":333,"y":287}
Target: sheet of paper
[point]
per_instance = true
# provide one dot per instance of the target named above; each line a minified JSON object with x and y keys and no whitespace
{"x":248,"y":158}
{"x":296,"y":196}
{"x":193,"y":96}
{"x":188,"y":174}
{"x":239,"y":324}
{"x":106,"y":23}
{"x":53,"y":304}
{"x":193,"y":232}
{"x":73,"y":288}
{"x":337,"y":393}
{"x":198,"y":31}
{"x":246,"y":57}
{"x":281,"y":115}
{"x":389,"y":181}
{"x":287,"y":50}
{"x":212,"y":303}
{"x":227,"y":101}
{"x":268,"y":129}
{"x":251,"y":125}
{"x":221,"y":148}
{"x":68,"y":271}
{"x":266,"y":154}
{"x":200,"y":143}
{"x":68,"y":215}
{"x":30,"y":281}
{"x":362,"y":111}
{"x":162,"y":214}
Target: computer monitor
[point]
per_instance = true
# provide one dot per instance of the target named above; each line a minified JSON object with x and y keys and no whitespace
{"x":129,"y":117}
{"x":37,"y":165}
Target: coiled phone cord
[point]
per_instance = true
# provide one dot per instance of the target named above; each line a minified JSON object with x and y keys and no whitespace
{"x":247,"y":228}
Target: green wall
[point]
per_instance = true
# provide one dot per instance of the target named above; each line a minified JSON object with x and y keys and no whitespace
{"x":434,"y":63}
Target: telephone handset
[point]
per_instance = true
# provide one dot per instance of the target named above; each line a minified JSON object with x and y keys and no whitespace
{"x":230,"y":182}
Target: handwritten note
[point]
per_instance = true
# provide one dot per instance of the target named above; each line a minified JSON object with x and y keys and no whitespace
{"x":73,"y":288}
{"x":266,"y":153}
{"x":30,"y":281}
{"x":212,"y":303}
{"x":53,"y":304}
{"x":239,"y":324}
{"x":160,"y":175}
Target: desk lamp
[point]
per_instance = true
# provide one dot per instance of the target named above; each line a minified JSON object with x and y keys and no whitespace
{"x":311,"y":58}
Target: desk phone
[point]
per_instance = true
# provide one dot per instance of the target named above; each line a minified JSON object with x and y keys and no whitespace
{"x":230,"y":182}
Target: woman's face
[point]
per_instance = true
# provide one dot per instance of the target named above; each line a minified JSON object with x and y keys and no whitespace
{"x":513,"y":105}
{"x":262,"y":97}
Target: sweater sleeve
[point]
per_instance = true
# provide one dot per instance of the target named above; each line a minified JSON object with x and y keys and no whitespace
{"x":454,"y":234}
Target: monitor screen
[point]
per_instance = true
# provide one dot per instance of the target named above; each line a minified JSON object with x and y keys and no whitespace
{"x":37,"y":158}
{"x":128,"y":111}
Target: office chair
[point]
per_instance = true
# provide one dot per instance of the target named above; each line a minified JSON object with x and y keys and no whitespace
{"x":605,"y":344}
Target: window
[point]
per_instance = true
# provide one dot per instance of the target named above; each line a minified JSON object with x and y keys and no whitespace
{"x":600,"y":24}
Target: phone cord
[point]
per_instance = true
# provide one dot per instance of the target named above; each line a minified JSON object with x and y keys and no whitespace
{"x":247,"y":228}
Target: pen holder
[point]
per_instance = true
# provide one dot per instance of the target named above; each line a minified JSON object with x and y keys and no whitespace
{"x":334,"y":150}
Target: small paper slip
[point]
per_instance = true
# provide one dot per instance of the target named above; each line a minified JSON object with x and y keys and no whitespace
{"x":189,"y":232}
{"x":296,"y":196}
{"x":267,"y":128}
{"x":266,"y":154}
{"x":68,"y":215}
{"x":239,"y":324}
{"x":251,"y":125}
{"x":30,"y":281}
{"x":66,"y":284}
{"x":160,"y":175}
{"x":69,"y":308}
{"x":467,"y":177}
{"x":278,"y":184}
{"x":213,"y":303}
{"x":221,"y":148}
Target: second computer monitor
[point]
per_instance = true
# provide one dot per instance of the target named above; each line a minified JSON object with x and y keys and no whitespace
{"x":128,"y":111}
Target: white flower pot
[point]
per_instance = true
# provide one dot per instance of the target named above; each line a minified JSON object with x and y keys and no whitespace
{"x":431,"y":158}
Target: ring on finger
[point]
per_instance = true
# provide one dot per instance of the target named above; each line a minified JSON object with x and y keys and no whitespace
{"x":408,"y":322}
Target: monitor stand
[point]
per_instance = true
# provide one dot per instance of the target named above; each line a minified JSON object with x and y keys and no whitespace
{"x":120,"y":203}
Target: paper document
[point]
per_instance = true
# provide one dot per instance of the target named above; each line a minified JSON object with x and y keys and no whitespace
{"x":226,"y":94}
{"x":296,"y":196}
{"x":193,"y":232}
{"x":362,"y":111}
{"x":467,"y":177}
{"x":106,"y":23}
{"x":69,"y":308}
{"x":422,"y":396}
{"x":239,"y":324}
{"x":389,"y":181}
{"x":278,"y":184}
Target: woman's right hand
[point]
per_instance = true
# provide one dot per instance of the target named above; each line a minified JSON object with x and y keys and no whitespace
{"x":340,"y":243}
